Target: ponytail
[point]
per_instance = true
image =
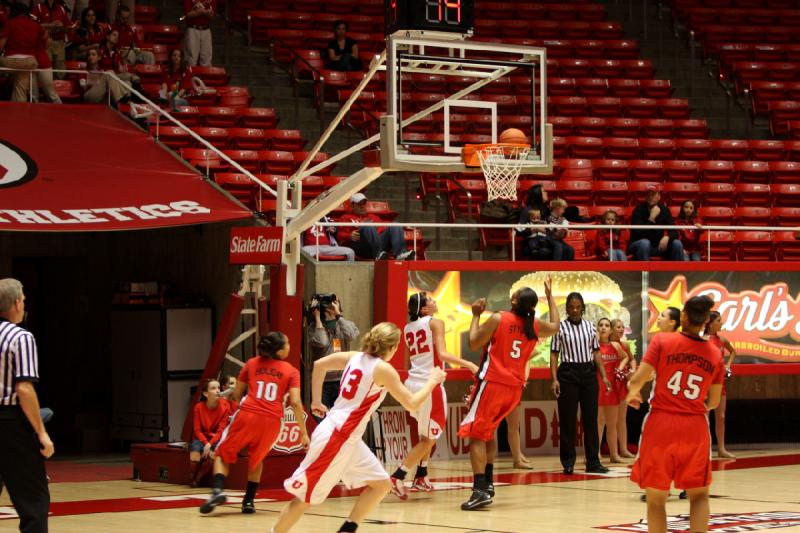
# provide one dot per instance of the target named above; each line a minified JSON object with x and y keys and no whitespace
{"x":526,"y":308}
{"x":271,"y":343}
{"x":381,"y":339}
{"x":415,"y":305}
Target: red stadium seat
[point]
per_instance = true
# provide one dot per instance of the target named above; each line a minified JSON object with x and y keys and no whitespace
{"x":754,"y":246}
{"x":753,"y":216}
{"x":590,"y":126}
{"x":647,"y":170}
{"x":218,"y":137}
{"x":677,"y":193}
{"x":248,"y":159}
{"x":722,"y":245}
{"x":248,"y":138}
{"x":730,"y":149}
{"x":257,"y":117}
{"x":787,"y":216}
{"x":787,"y":245}
{"x":624,"y":127}
{"x":172,"y":136}
{"x":219,"y":116}
{"x":768,"y":150}
{"x":656,"y":148}
{"x":287,"y":140}
{"x":718,"y":171}
{"x":621,"y":147}
{"x":585,"y":147}
{"x":716,"y":216}
{"x":611,"y":169}
{"x":673,"y":107}
{"x":276,"y":162}
{"x":681,"y":170}
{"x":786,"y":195}
{"x":694,"y":149}
{"x":751,"y":172}
{"x":299,"y":157}
{"x":577,"y":192}
{"x":610,"y":192}
{"x":658,"y":127}
{"x":785,"y":171}
{"x":715,"y":193}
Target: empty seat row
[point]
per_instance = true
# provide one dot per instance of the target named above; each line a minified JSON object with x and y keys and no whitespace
{"x":733,"y":51}
{"x":713,"y":34}
{"x":240,"y":138}
{"x":681,"y":5}
{"x":742,"y":16}
{"x":255,"y":161}
{"x":226,"y":117}
{"x":679,"y":170}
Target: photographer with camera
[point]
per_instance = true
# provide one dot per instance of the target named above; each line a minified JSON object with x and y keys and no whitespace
{"x":329,"y":332}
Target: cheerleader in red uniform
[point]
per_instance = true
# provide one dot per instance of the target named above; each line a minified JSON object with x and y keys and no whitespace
{"x":615,"y":359}
{"x":210,"y":418}
{"x":618,"y":335}
{"x":712,"y":335}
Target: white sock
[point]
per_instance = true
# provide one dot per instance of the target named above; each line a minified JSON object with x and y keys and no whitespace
{"x":424,"y":464}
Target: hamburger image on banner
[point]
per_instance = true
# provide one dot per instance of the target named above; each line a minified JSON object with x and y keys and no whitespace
{"x":602,"y":295}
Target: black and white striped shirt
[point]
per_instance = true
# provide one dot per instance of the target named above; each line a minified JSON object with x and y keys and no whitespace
{"x":18,"y":360}
{"x":575,"y":343}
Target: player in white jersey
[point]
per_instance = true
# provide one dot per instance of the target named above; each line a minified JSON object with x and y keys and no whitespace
{"x":336,"y":451}
{"x":424,"y":336}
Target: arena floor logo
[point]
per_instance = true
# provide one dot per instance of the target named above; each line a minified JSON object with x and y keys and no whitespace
{"x":722,"y":523}
{"x":16,"y":167}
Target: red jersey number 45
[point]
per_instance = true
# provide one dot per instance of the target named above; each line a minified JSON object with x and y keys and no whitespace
{"x":691,"y":389}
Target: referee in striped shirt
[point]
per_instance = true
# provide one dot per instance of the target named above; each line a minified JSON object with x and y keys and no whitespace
{"x":575,"y":382}
{"x":24,"y":443}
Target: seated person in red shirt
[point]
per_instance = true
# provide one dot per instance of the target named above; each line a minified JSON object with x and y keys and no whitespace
{"x":111,"y":60}
{"x":89,"y":34}
{"x":176,"y":81}
{"x":613,"y":250}
{"x":210,"y":418}
{"x":21,"y":39}
{"x":321,"y":242}
{"x":129,"y":41}
{"x":372,"y":242}
{"x":690,"y":237}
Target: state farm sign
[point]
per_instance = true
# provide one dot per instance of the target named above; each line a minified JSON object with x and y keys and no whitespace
{"x":256,"y":246}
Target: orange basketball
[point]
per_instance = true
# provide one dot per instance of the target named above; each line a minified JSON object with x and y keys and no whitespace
{"x":512,"y":136}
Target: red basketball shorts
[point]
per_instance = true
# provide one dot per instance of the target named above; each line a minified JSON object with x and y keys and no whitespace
{"x":490,"y":404}
{"x":673,"y":448}
{"x":253,"y":431}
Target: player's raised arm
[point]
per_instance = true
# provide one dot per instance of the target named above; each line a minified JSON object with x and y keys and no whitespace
{"x":437,"y":328}
{"x":553,"y":324}
{"x":386,"y":376}
{"x":480,"y":334}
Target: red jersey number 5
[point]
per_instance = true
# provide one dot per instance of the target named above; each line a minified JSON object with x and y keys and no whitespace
{"x":350,"y":383}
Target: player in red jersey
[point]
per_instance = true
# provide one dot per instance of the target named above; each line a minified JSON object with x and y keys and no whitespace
{"x":337,"y":451}
{"x":615,"y":359}
{"x":257,"y":422}
{"x":209,"y":420}
{"x":503,"y":372}
{"x":712,"y":334}
{"x":675,"y":444}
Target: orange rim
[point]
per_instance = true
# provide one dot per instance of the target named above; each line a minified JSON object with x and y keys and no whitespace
{"x":470,"y":151}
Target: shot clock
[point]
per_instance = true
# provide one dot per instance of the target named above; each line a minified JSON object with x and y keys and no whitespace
{"x":453,"y":16}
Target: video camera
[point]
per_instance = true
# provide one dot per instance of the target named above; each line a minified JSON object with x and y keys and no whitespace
{"x":321,"y":302}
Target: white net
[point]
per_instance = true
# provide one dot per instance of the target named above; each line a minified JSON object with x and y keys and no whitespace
{"x":501,"y":165}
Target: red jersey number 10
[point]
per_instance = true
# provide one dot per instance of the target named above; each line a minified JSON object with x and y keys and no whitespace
{"x":417,"y":344}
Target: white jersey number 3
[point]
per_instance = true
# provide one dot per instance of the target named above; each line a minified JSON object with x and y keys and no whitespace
{"x":692,"y":389}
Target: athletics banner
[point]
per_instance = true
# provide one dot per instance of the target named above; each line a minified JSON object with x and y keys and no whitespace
{"x":88,"y":168}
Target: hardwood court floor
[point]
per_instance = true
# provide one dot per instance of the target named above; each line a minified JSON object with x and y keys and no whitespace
{"x":766,"y":482}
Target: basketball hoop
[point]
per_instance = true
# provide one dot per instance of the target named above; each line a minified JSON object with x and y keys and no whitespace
{"x":501,"y":165}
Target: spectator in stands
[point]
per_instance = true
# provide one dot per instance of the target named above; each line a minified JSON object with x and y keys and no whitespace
{"x":561,"y":250}
{"x":111,"y":60}
{"x":536,"y":199}
{"x":54,"y":18}
{"x":321,"y":242}
{"x":113,"y":5}
{"x":649,"y":242}
{"x":44,"y":76}
{"x":613,"y":250}
{"x":89,"y":34}
{"x":96,"y":85}
{"x":21,"y":38}
{"x":536,"y":246}
{"x":129,"y":41}
{"x":372,"y":242}
{"x":176,"y":81}
{"x":342,"y":50}
{"x":198,"y":15}
{"x":5,"y":10}
{"x":690,"y":238}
